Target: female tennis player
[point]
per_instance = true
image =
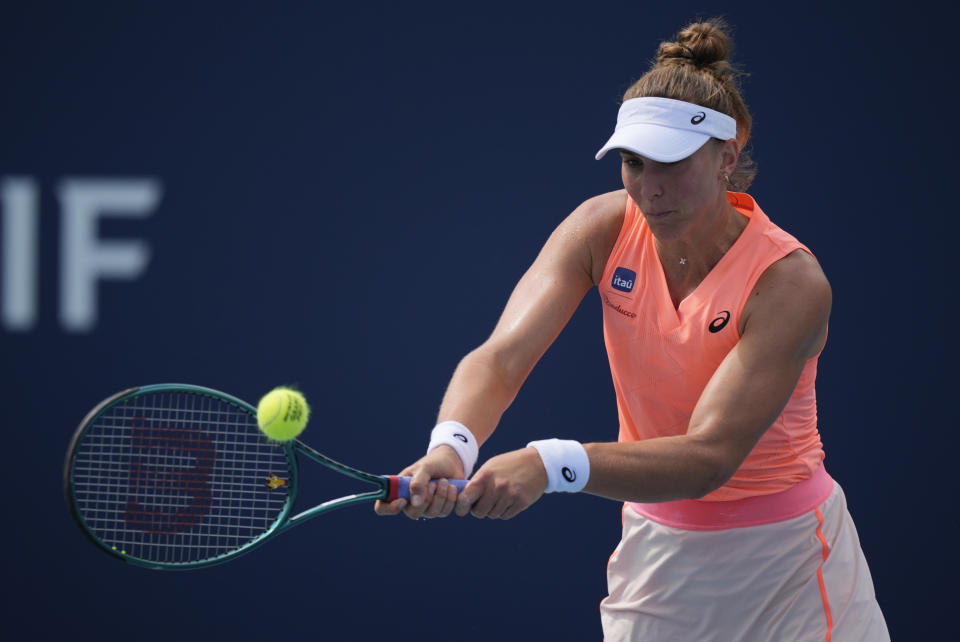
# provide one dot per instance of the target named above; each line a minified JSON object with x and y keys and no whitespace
{"x":714,"y":319}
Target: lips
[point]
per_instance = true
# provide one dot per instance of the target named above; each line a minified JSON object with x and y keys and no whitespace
{"x":659,"y":215}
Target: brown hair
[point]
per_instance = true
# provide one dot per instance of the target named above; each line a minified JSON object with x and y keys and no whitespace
{"x":695,"y":69}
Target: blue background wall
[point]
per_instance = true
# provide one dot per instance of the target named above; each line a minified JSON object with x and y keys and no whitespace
{"x":347,"y":193}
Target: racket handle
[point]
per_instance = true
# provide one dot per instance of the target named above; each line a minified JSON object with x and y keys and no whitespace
{"x":400,"y":486}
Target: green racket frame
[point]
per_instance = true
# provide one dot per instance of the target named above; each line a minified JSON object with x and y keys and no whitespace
{"x":387,"y":486}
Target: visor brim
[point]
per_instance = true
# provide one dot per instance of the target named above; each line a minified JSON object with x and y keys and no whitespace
{"x":658,"y":143}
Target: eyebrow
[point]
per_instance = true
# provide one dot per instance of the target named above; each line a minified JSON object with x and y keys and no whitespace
{"x":626,"y":155}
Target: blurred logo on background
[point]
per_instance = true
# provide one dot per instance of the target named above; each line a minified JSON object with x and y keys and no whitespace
{"x":84,"y":258}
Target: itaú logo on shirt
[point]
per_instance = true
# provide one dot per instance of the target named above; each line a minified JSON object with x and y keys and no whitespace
{"x":623,"y":279}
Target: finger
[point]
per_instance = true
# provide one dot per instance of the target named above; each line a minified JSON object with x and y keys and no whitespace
{"x":451,"y":498}
{"x":441,"y":504}
{"x":452,"y":492}
{"x":468,"y":496}
{"x":419,"y":485}
{"x":416,"y":512}
{"x":515,"y":509}
{"x":389,"y":508}
{"x":502,"y":506}
{"x":484,"y":504}
{"x":438,"y":497}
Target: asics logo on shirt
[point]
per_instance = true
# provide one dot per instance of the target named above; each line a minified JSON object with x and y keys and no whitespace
{"x":720,"y":322}
{"x":623,"y":279}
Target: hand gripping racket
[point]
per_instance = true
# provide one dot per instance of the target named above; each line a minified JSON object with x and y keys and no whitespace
{"x":175,"y":476}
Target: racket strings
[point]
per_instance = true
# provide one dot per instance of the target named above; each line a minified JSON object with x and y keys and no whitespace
{"x":178,"y":477}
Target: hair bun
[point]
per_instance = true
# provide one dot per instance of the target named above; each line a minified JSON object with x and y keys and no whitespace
{"x":701,"y":44}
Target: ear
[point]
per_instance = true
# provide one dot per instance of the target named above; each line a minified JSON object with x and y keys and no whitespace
{"x":729,"y":154}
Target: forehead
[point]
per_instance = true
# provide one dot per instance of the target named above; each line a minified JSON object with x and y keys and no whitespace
{"x":626,"y":154}
{"x":703,"y":152}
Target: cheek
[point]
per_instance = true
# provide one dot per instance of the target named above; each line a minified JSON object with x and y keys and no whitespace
{"x":631,"y":182}
{"x":695,"y":184}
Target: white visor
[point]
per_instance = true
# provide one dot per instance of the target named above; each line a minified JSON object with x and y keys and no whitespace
{"x":666,"y":130}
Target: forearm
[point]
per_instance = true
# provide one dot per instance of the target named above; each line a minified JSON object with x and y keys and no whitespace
{"x":655,"y":470}
{"x":479,"y":393}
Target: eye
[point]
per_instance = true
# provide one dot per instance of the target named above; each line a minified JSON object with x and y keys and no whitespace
{"x":633,"y":162}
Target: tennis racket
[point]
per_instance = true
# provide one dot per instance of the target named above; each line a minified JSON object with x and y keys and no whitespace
{"x":175,"y":476}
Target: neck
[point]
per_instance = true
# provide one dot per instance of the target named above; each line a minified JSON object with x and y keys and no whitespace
{"x":687,"y":260}
{"x":705,"y":244}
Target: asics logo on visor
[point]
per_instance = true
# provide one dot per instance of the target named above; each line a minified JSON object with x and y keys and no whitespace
{"x":698,"y":118}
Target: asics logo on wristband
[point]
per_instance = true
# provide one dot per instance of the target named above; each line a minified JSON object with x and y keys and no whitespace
{"x":457,"y":436}
{"x":566,"y":463}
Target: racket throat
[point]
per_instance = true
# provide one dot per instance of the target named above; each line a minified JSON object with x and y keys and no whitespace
{"x":326,"y":507}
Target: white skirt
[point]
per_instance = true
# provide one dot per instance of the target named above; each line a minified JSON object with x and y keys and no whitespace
{"x":801,"y":579}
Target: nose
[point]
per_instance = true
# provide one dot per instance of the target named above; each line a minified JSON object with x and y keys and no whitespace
{"x":649,"y":183}
{"x":652,"y":186}
{"x":645,"y":182}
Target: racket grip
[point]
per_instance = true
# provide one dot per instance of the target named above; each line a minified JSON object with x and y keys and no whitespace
{"x":400,"y":486}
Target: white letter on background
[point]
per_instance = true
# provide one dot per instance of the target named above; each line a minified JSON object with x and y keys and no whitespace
{"x":18,"y":309}
{"x":84,"y":258}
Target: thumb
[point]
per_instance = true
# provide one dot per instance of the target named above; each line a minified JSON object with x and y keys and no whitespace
{"x":418,"y":487}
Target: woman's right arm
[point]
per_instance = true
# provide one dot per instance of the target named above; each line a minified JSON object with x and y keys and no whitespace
{"x":487,"y":380}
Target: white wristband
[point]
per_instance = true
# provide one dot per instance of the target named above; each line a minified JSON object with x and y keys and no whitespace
{"x":458,"y":437}
{"x":567,"y":464}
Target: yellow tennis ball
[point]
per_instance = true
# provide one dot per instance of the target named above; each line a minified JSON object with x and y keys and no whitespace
{"x":282,"y":414}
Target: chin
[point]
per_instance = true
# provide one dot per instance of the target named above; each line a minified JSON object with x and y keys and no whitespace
{"x":664,"y":228}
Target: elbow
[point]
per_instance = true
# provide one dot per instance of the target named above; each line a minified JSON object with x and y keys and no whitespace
{"x":714,"y":470}
{"x":499,"y":362}
{"x":709,"y":481}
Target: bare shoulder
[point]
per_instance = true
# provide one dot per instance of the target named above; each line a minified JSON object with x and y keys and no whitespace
{"x":798,"y":274}
{"x":594,"y":226}
{"x":792,"y":297}
{"x":605,"y":205}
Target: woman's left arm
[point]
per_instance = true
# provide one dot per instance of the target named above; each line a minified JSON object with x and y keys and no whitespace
{"x":783,"y":325}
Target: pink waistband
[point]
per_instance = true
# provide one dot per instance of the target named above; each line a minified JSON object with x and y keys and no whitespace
{"x":697,"y":515}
